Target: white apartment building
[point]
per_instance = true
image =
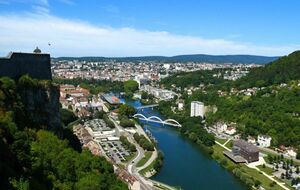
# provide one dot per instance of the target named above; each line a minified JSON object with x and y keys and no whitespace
{"x":197,"y":109}
{"x":264,"y":140}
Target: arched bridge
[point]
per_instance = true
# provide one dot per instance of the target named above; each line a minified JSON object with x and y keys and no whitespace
{"x":156,"y":119}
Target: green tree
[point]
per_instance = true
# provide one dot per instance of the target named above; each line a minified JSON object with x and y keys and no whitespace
{"x":67,"y":116}
{"x":126,"y":123}
{"x":298,"y":154}
{"x":126,"y":110}
{"x":130,"y":87}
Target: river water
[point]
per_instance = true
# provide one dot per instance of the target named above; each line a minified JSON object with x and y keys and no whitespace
{"x":186,"y":165}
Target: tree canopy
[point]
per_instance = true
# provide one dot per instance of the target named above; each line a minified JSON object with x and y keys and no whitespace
{"x":33,"y":157}
{"x":130,"y":87}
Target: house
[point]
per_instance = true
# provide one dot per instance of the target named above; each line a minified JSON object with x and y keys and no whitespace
{"x":230,"y":130}
{"x":251,"y":140}
{"x":221,"y":127}
{"x":180,"y":105}
{"x":292,"y":152}
{"x":264,"y":140}
{"x":237,"y":137}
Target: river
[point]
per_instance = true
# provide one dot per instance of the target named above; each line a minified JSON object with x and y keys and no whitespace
{"x":186,"y":165}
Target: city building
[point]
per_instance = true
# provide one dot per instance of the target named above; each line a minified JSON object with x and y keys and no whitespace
{"x":161,"y":94}
{"x":264,"y":140}
{"x":111,"y":99}
{"x":246,"y":150}
{"x":197,"y":109}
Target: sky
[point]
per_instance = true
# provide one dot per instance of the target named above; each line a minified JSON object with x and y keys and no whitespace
{"x":117,"y":28}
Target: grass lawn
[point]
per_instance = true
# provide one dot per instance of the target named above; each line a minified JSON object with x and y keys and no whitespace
{"x":287,"y":182}
{"x":265,"y":182}
{"x":131,"y":156}
{"x":222,"y":141}
{"x":145,"y":170}
{"x":266,"y":169}
{"x":144,"y":159}
{"x":229,"y":144}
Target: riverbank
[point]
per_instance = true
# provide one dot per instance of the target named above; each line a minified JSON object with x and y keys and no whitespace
{"x":250,"y":176}
{"x":185,"y":164}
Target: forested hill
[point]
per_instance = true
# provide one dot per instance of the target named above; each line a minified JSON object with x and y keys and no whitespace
{"x":243,"y":59}
{"x":279,"y":71}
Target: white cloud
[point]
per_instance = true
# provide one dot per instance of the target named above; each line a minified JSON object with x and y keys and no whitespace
{"x":69,"y":2}
{"x":42,"y":2}
{"x":77,"y":38}
{"x":41,"y":10}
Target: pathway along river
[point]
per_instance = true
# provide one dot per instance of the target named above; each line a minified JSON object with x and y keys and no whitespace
{"x":186,"y":165}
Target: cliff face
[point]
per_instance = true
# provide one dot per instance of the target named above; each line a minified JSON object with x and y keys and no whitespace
{"x":41,"y":105}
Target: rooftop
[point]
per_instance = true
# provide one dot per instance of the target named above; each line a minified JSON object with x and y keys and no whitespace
{"x":236,"y":159}
{"x":246,"y":146}
{"x":111,"y":99}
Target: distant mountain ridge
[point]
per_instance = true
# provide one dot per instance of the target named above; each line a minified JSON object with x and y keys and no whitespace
{"x":235,"y":59}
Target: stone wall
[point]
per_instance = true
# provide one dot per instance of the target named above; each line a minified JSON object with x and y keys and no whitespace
{"x":15,"y":65}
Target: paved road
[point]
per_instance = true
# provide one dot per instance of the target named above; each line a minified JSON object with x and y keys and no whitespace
{"x":151,"y":159}
{"x":131,"y":167}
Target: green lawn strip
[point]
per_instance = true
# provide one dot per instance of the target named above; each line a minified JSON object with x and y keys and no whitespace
{"x":256,"y":175}
{"x":131,"y":156}
{"x":146,"y":157}
{"x":287,"y":182}
{"x":222,"y":141}
{"x":229,"y":144}
{"x":266,"y":169}
{"x":148,"y":168}
{"x":265,"y":182}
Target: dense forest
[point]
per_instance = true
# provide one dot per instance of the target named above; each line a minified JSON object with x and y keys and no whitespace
{"x":282,"y":70}
{"x":273,"y":109}
{"x":35,"y":156}
{"x":188,"y":79}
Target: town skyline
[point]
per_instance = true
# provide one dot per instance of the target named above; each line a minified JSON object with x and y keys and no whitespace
{"x":139,"y":28}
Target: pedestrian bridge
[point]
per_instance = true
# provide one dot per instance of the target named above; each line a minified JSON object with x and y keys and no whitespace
{"x":156,"y":119}
{"x":146,"y":106}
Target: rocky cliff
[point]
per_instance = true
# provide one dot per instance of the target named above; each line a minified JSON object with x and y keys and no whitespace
{"x":41,"y":104}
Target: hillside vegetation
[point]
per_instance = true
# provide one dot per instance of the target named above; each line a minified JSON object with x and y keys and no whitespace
{"x":273,"y":110}
{"x":35,"y":154}
{"x":282,"y":70}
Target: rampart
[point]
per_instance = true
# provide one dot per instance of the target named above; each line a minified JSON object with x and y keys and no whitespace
{"x":36,"y":65}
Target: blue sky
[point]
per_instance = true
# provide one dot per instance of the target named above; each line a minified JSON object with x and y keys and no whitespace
{"x":144,"y":27}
